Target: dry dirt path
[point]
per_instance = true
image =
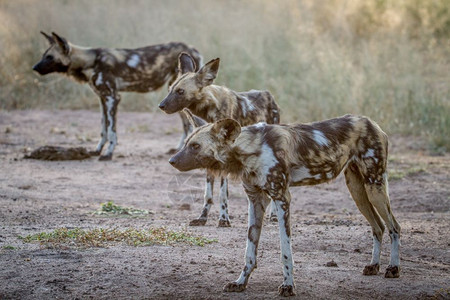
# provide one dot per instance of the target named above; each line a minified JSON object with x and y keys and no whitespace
{"x":38,"y":196}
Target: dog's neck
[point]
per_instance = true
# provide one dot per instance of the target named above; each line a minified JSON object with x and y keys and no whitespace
{"x":82,"y":62}
{"x":209,"y":106}
{"x":241,"y":158}
{"x":82,"y":57}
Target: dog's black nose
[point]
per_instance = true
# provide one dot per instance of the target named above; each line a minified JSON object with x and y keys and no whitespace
{"x":162,"y":105}
{"x":35,"y":68}
{"x":172,"y":161}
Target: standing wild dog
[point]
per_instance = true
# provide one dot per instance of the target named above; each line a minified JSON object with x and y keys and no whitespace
{"x":270,"y":158}
{"x":110,"y":71}
{"x":195,"y":91}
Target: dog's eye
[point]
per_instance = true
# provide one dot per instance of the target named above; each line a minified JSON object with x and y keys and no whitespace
{"x":49,"y":57}
{"x":180,"y":91}
{"x":195,"y":146}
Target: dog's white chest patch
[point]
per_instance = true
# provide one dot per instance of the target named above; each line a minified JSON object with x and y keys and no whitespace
{"x":133,"y":61}
{"x":268,"y":161}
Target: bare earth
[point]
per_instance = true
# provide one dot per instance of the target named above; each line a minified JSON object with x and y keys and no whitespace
{"x":37,"y":196}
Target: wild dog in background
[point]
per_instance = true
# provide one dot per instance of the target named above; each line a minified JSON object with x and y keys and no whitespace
{"x":195,"y":91}
{"x":110,"y":71}
{"x":270,"y":158}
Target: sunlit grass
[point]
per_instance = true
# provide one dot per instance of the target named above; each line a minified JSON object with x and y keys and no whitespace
{"x":101,"y":237}
{"x":386,"y":59}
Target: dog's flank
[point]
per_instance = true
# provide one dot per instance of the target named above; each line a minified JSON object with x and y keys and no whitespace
{"x":194,"y":90}
{"x":270,"y":158}
{"x":110,"y":71}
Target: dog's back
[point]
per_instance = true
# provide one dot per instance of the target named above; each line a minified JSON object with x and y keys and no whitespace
{"x":317,"y":152}
{"x":143,"y":69}
{"x":255,"y":106}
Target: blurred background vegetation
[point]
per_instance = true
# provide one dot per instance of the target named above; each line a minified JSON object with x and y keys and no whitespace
{"x":387,"y":59}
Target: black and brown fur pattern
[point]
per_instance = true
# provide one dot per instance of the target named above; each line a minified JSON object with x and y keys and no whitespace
{"x":195,"y":91}
{"x":271,"y":158}
{"x":110,"y":71}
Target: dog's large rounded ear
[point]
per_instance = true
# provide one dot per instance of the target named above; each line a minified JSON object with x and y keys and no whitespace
{"x":186,"y":63}
{"x":194,"y":120}
{"x":208,"y":72}
{"x":227,"y":130}
{"x":49,"y":38}
{"x":62,"y":43}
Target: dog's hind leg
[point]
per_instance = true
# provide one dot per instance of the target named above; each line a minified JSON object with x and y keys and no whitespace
{"x":257,"y":202}
{"x":379,"y":197}
{"x":209,"y":186}
{"x":282,"y":203}
{"x":356,"y":187}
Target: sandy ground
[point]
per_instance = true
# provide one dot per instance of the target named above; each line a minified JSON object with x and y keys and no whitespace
{"x":37,"y":196}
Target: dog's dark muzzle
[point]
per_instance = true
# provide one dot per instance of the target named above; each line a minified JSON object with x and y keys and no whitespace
{"x":183,"y":162}
{"x":41,"y":69}
{"x":167,"y":105}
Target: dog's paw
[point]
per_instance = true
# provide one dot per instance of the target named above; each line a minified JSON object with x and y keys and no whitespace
{"x":392,"y":272}
{"x":371,"y":269}
{"x":286,"y":290}
{"x":105,"y":157}
{"x":224,"y":223}
{"x":233,"y":287}
{"x":197,"y":222}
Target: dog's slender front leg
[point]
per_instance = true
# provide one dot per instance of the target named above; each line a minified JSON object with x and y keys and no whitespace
{"x":187,"y":128}
{"x":111,"y":113}
{"x":224,"y":219}
{"x":282,"y":203}
{"x":257,"y":202}
{"x":209,"y":186}
{"x":105,"y":87}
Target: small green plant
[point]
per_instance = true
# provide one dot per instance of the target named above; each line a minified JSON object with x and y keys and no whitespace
{"x":101,"y":237}
{"x":8,"y":247}
{"x":442,"y":293}
{"x":109,"y":208}
{"x":396,"y":174}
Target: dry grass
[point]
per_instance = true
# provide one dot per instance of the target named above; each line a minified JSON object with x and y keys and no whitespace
{"x":385,"y":59}
{"x":101,"y":237}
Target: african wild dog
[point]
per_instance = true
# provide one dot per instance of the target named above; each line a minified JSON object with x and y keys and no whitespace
{"x":195,"y":91}
{"x":270,"y":158}
{"x":110,"y":71}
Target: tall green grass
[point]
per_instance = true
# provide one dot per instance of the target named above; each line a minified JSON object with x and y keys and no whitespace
{"x":387,"y":59}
